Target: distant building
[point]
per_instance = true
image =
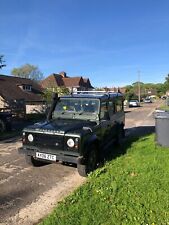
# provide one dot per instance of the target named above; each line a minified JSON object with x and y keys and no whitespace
{"x":118,"y":89}
{"x":151,"y":91}
{"x":62,"y":80}
{"x":19,"y":92}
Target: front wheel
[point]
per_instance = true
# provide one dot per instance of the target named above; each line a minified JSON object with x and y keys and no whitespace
{"x":91,"y":162}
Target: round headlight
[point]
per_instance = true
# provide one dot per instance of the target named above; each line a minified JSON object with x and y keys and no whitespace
{"x":30,"y":137}
{"x":70,"y":142}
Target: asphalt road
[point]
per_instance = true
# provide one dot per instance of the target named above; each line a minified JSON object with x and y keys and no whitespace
{"x":141,"y":120}
{"x":28,"y":194}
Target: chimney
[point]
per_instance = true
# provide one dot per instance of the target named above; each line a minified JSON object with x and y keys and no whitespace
{"x":63,"y":74}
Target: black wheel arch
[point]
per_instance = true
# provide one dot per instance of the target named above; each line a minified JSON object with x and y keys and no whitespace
{"x":93,"y":140}
{"x":121,"y":128}
{"x":86,"y":165}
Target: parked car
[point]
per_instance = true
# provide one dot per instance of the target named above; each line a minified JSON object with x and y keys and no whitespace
{"x":163,"y":97}
{"x":134,"y":103}
{"x":147,"y":100}
{"x":5,"y":121}
{"x":77,"y":129}
{"x":125,"y":103}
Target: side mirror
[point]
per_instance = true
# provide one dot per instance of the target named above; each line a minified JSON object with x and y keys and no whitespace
{"x":55,"y":99}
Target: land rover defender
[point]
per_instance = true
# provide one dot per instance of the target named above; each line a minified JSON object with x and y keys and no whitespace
{"x":76,"y":130}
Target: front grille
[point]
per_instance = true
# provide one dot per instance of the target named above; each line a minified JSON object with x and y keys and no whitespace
{"x":47,"y":141}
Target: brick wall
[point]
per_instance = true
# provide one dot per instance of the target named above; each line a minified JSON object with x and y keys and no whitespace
{"x":35,"y":109}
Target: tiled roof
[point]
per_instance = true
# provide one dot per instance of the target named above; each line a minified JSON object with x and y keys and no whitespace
{"x":10,"y":89}
{"x":58,"y":80}
{"x":49,"y":82}
{"x":73,"y":81}
{"x":118,"y":89}
{"x":87,"y":83}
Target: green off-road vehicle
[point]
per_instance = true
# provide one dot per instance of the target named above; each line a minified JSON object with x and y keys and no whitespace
{"x":77,"y":129}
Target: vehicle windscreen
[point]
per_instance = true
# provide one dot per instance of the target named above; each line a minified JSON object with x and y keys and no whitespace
{"x":79,"y":108}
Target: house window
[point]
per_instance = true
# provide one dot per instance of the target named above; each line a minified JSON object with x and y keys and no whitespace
{"x":26,"y":87}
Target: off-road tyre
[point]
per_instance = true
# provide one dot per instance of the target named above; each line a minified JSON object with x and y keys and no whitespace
{"x":91,"y":162}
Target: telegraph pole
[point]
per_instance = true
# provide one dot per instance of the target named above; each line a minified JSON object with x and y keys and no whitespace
{"x":139,"y":86}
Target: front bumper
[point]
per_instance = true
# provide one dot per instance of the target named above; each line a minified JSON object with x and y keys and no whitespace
{"x":60,"y":155}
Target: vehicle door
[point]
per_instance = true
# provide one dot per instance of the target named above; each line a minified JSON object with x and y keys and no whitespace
{"x":117,"y":117}
{"x":112,"y":109}
{"x":120,"y":115}
{"x":105,"y":123}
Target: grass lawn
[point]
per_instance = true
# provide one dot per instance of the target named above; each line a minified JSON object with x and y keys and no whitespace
{"x":164,"y":107}
{"x":131,"y":189}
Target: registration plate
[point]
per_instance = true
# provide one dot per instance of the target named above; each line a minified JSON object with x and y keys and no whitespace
{"x":41,"y":155}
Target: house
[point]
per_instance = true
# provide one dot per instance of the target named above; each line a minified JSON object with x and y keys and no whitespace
{"x":62,"y":80}
{"x":19,"y":93}
{"x":150,"y":92}
{"x":117,"y":89}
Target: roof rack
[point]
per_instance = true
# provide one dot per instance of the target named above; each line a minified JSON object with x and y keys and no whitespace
{"x":90,"y":92}
{"x":96,"y":91}
{"x":101,"y":93}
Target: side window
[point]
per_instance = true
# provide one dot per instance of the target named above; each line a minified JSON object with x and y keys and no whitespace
{"x":119,"y":105}
{"x":104,"y":111}
{"x":111,"y":108}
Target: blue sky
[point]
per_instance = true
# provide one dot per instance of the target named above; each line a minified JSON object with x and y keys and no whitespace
{"x":107,"y":41}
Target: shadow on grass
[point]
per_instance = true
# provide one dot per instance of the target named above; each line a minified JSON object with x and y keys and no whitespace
{"x":132,"y":135}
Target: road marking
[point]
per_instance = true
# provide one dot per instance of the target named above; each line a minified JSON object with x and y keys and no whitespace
{"x":150,"y":113}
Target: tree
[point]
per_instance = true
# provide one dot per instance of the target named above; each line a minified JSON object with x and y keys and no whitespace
{"x":166,"y":83}
{"x":161,"y":89}
{"x":129,"y":93}
{"x":2,"y":62}
{"x":47,"y":94}
{"x":28,"y":71}
{"x":167,"y":78}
